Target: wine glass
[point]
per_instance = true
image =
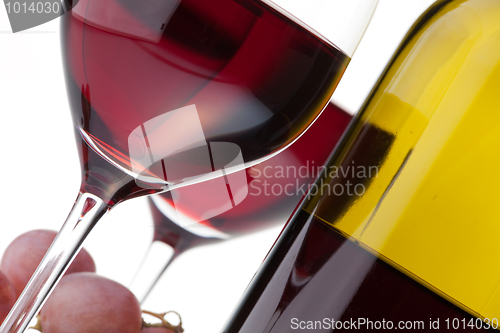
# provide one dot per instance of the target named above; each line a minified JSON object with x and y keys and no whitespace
{"x":165,"y":94}
{"x":275,"y":188}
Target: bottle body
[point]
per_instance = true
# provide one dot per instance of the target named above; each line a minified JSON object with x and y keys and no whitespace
{"x":411,"y":191}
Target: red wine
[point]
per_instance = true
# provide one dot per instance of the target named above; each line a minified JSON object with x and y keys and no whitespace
{"x":256,"y":78}
{"x":273,"y":193}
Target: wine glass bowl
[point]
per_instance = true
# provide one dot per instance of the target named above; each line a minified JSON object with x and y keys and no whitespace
{"x":238,"y":72}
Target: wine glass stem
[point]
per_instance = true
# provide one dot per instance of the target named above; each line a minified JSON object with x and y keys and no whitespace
{"x":88,"y":209}
{"x":155,"y":263}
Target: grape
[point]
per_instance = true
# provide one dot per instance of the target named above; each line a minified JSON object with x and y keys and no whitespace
{"x":23,"y":255}
{"x":88,"y":303}
{"x":7,"y":296}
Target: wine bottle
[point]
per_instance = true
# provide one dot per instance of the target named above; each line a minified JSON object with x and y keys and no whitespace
{"x":402,"y":228}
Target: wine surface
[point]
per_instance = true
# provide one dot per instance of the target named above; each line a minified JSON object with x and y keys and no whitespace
{"x":419,"y":228}
{"x":246,"y":73}
{"x":275,"y":187}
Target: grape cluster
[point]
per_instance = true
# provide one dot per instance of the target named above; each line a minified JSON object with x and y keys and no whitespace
{"x":83,"y":302}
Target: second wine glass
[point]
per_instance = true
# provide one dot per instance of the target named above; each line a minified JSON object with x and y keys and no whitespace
{"x":275,"y":187}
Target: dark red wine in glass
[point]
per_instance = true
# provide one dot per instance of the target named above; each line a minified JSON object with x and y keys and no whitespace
{"x":275,"y":187}
{"x":159,"y":89}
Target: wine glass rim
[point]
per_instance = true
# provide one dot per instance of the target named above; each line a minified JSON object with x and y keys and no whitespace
{"x":301,"y":23}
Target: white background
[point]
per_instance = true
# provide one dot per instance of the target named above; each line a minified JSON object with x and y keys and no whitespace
{"x":40,"y":171}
